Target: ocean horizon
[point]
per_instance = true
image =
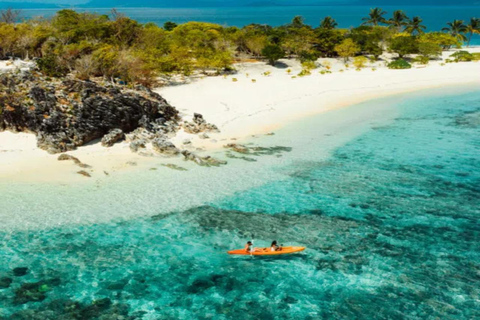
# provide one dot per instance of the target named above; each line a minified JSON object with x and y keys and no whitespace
{"x":435,"y":17}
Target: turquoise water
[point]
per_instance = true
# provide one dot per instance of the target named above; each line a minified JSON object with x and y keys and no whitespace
{"x":435,"y":17}
{"x":390,"y":216}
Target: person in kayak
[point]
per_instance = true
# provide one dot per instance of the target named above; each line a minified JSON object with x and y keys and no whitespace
{"x":275,"y":246}
{"x":249,"y":247}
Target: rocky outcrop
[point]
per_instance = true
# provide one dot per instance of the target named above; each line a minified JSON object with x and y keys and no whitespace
{"x":198,"y":125}
{"x":112,"y":137}
{"x":164,"y":147}
{"x":69,"y":113}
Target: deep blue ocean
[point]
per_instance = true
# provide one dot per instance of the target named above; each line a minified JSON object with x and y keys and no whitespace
{"x":390,"y":218}
{"x":435,"y":17}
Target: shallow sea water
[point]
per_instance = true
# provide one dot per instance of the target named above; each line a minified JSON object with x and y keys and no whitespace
{"x":390,"y":216}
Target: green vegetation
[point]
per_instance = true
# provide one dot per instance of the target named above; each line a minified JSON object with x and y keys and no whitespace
{"x":273,"y":52}
{"x":462,"y":56}
{"x":120,"y":49}
{"x":360,"y":62}
{"x":399,"y":64}
{"x":472,"y":28}
{"x":348,"y":48}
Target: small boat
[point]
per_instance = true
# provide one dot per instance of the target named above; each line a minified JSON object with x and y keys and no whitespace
{"x":267,"y":251}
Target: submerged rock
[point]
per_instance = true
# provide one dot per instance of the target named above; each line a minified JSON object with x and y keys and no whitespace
{"x":256,"y":150}
{"x":20,"y":271}
{"x":202,"y":161}
{"x":5,"y":282}
{"x":36,"y":291}
{"x":174,"y":167}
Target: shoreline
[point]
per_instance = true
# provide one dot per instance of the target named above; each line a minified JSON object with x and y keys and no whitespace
{"x":241,"y":109}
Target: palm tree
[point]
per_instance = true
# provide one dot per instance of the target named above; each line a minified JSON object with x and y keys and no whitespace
{"x":297,"y":22}
{"x":415,"y":26}
{"x":398,"y":20}
{"x":328,"y":23}
{"x":375,"y":17}
{"x":473,"y":27}
{"x":457,"y":29}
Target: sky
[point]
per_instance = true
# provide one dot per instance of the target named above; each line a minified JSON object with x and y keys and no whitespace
{"x":203,"y":3}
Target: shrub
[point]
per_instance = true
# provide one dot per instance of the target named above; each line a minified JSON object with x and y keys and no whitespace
{"x":304,"y":72}
{"x":476,"y":56}
{"x":254,"y":80}
{"x":51,"y":66}
{"x":462,"y":56}
{"x":429,"y":49}
{"x":85,"y":67}
{"x":360,"y":62}
{"x":273,"y":52}
{"x":289,"y":71}
{"x":422,"y":59}
{"x":267,"y":73}
{"x":234,"y":79}
{"x":399,"y":64}
{"x":309,"y":65}
{"x":307,"y":56}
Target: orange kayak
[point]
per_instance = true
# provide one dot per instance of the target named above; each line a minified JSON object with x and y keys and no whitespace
{"x":267,"y":251}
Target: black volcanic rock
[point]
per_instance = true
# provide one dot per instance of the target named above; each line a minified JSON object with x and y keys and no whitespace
{"x":70,"y":113}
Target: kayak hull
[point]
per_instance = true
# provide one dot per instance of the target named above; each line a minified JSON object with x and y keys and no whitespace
{"x":266,"y":251}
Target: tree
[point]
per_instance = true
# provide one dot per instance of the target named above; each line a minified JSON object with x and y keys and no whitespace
{"x":326,"y":40}
{"x":371,"y":39}
{"x":375,"y":17}
{"x":457,"y":29}
{"x":9,"y":16}
{"x":298,"y":40}
{"x":404,"y":45}
{"x":273,"y":52}
{"x":472,"y":28}
{"x":169,"y":25}
{"x":125,"y":31}
{"x":415,"y":26}
{"x":444,"y":40}
{"x":116,"y":14}
{"x":328,"y":23}
{"x":297,"y":22}
{"x":429,"y":49}
{"x":398,"y":20}
{"x":348,"y":48}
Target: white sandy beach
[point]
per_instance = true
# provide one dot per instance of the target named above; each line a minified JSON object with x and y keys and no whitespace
{"x":253,"y":104}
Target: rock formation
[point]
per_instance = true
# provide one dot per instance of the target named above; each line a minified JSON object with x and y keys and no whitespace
{"x":68,"y":113}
